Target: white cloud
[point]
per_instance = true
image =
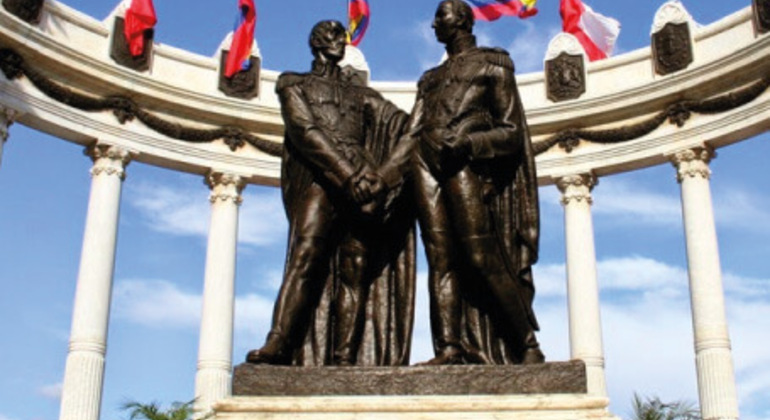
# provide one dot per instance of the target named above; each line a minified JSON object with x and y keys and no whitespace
{"x":529,"y":47}
{"x":615,"y":198}
{"x":186,"y":212}
{"x":623,"y":202}
{"x":157,"y":304}
{"x":742,"y":209}
{"x":648,"y":340}
{"x":4,"y":417}
{"x":52,"y":391}
{"x":161,"y":304}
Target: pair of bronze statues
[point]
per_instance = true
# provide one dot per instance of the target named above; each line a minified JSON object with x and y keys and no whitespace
{"x":356,"y":173}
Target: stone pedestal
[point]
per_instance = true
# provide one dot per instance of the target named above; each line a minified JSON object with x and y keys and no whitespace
{"x":432,"y":407}
{"x":549,"y":391}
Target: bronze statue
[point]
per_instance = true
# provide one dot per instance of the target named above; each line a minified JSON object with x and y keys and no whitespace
{"x":473,"y":172}
{"x":348,"y":291}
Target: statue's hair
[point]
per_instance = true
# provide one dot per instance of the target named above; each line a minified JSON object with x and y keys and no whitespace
{"x":464,"y":12}
{"x":320,"y":29}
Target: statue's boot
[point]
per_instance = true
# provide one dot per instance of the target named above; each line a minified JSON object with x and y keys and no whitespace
{"x":532,"y":354}
{"x":447,"y":355}
{"x":272,"y":353}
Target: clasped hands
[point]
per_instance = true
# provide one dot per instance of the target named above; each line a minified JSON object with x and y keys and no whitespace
{"x":367,"y":189}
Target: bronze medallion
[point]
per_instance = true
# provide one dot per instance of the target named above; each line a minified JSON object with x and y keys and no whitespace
{"x":672,"y":48}
{"x":26,"y":10}
{"x":565,"y":77}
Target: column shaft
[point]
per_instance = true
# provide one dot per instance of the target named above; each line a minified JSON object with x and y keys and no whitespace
{"x":582,"y":286}
{"x":84,"y":372}
{"x":716,"y":379}
{"x":212,"y":381}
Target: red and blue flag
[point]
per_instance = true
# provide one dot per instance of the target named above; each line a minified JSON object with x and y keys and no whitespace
{"x":358,"y":20}
{"x":493,"y":9}
{"x":243,"y":38}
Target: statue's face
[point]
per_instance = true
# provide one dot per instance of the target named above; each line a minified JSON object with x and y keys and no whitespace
{"x":446,"y":24}
{"x":331,"y":44}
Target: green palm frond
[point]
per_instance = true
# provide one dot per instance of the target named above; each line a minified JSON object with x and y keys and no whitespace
{"x":652,"y":408}
{"x":152,"y":411}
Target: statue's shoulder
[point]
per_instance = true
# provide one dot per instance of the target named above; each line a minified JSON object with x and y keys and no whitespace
{"x":289,"y":79}
{"x":427,"y":79}
{"x":497,"y":57}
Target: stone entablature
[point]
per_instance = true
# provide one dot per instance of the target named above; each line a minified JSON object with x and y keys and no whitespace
{"x":621,"y":91}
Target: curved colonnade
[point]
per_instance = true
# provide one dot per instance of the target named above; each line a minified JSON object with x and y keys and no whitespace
{"x":639,"y":109}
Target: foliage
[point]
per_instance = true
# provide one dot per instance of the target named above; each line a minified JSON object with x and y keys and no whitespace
{"x":652,"y":408}
{"x":152,"y":411}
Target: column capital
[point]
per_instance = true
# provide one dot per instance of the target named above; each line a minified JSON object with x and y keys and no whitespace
{"x":577,"y":187}
{"x":108,"y":160}
{"x":225,"y":186}
{"x":7,"y":116}
{"x":691,"y":163}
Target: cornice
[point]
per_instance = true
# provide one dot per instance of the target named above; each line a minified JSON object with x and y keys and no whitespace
{"x":627,"y":103}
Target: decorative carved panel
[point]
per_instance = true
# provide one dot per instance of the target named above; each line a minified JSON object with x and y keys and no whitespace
{"x":119,"y":48}
{"x":244,"y":84}
{"x":761,"y":15}
{"x":565,"y":77}
{"x":26,"y":10}
{"x":672,"y":48}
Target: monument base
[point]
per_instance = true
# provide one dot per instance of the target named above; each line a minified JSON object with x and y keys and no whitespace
{"x":548,"y":391}
{"x":428,"y":407}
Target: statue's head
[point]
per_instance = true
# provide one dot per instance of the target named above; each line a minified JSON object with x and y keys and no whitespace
{"x":327,"y":40}
{"x":453,"y":17}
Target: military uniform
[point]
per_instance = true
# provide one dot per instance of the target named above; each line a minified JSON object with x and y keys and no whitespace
{"x":476,"y":195}
{"x":329,"y":142}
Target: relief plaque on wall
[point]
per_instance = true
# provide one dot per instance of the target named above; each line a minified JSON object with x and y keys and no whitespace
{"x":565,"y":77}
{"x":122,"y":55}
{"x":244,"y":84}
{"x":761,"y":11}
{"x":26,"y":10}
{"x":672,"y":48}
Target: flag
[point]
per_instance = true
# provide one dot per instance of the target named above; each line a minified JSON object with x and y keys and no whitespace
{"x":493,"y":9}
{"x":358,"y":20}
{"x":139,"y":17}
{"x":243,"y":38}
{"x":596,"y":33}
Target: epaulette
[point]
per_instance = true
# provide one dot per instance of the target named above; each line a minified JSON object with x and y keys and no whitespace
{"x":288,"y":79}
{"x":498,"y":57}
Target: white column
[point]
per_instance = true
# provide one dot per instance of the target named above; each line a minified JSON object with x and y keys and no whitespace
{"x":7,"y":116}
{"x":716,"y":380}
{"x":212,"y":381}
{"x":585,"y":325}
{"x":84,"y":372}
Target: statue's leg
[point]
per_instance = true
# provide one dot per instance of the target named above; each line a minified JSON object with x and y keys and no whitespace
{"x":303,"y":278}
{"x":443,"y":284}
{"x":486,"y":256}
{"x":350,"y":305}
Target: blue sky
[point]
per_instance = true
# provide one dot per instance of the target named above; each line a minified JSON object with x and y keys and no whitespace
{"x":153,"y":337}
